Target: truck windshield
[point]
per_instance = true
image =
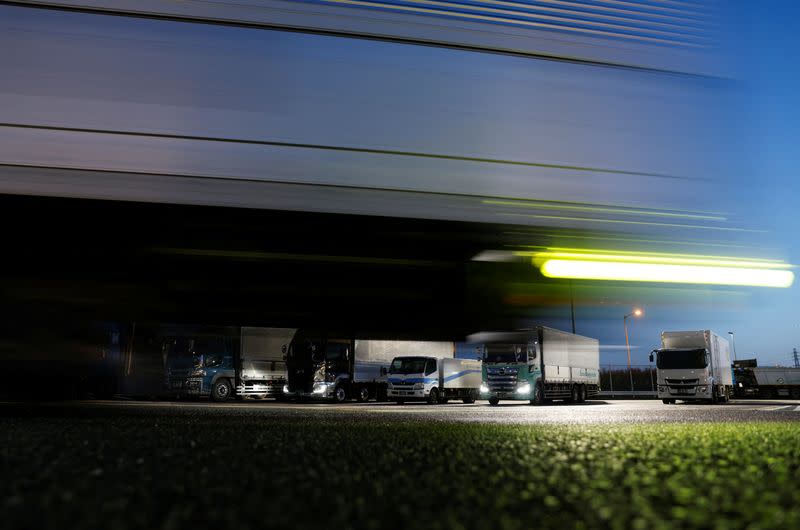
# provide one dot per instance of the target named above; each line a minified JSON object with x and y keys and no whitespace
{"x":505,"y":353}
{"x":675,"y":359}
{"x":407,"y":365}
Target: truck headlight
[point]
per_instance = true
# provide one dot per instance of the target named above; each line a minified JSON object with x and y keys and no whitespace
{"x":703,"y":389}
{"x":285,"y":389}
{"x":320,"y":388}
{"x":484,"y":389}
{"x":198,"y":373}
{"x":524,"y":388}
{"x":418,"y":386}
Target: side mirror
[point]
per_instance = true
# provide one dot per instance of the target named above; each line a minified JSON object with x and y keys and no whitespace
{"x":651,"y":355}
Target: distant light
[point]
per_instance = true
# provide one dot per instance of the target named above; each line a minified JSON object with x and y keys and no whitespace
{"x":637,"y":312}
{"x":639,"y":271}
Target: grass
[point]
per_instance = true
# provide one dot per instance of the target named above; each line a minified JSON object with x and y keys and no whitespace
{"x":201,"y":471}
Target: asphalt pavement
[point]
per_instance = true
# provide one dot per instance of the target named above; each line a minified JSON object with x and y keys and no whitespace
{"x":121,"y":465}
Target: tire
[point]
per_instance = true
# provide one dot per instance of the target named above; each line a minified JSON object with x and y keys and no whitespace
{"x":221,"y":390}
{"x":582,"y":394}
{"x":339,"y":394}
{"x":363,"y":394}
{"x":538,"y":395}
{"x":494,"y":400}
{"x":666,"y":401}
{"x":433,"y":397}
{"x":471,"y":398}
{"x":575,"y":394}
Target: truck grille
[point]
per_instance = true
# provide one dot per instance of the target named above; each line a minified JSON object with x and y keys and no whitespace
{"x":680,"y":382}
{"x":501,"y":380}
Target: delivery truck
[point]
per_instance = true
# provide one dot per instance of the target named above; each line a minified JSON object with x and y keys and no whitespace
{"x":693,"y":366}
{"x":751,"y":380}
{"x":339,"y":369}
{"x":249,"y":364}
{"x":433,"y":379}
{"x":539,"y":365}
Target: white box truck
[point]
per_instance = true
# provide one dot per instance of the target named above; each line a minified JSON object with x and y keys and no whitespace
{"x":540,"y":364}
{"x":434,"y":379}
{"x":693,"y":366}
{"x":339,"y":369}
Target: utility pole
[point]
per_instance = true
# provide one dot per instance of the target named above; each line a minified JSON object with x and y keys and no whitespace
{"x":796,"y":358}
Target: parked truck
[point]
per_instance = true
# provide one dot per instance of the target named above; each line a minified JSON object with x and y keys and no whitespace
{"x":751,"y":380}
{"x":434,"y":379}
{"x":249,"y":364}
{"x":693,"y":366}
{"x":538,"y":365}
{"x":339,"y":369}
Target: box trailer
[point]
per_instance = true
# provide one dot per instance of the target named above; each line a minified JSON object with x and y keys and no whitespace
{"x":432,"y":379}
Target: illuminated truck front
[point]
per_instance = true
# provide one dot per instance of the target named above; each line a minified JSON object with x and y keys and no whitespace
{"x":507,"y":373}
{"x":318,"y":369}
{"x":412,"y":378}
{"x":683,"y":374}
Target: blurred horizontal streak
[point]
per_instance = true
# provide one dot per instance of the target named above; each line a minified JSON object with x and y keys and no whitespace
{"x":348,"y":149}
{"x":249,"y":255}
{"x":660,"y":242}
{"x":657,"y":272}
{"x":591,"y":220}
{"x":651,"y":36}
{"x":601,"y":209}
{"x":653,"y":257}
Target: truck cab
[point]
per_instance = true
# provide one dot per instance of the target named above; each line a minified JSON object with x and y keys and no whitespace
{"x":213,"y":372}
{"x":693,"y":366}
{"x":512,"y":370}
{"x":319,"y":368}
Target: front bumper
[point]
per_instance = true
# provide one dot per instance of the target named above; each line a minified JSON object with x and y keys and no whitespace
{"x":685,"y":392}
{"x":406,"y":393}
{"x":260,"y":388}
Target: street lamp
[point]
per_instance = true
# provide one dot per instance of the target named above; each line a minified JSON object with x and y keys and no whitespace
{"x":635,"y":313}
{"x":733,"y":340}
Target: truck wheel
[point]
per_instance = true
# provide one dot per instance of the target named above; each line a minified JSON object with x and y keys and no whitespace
{"x":340,"y":394}
{"x":666,"y":401}
{"x":221,"y":390}
{"x":581,"y":394}
{"x":471,"y":398}
{"x":575,"y":395}
{"x":363,"y":394}
{"x":538,"y":395}
{"x":494,"y":400}
{"x":433,"y":397}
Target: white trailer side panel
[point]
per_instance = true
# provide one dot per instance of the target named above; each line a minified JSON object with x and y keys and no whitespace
{"x":460,"y":373}
{"x":372,"y":355}
{"x":777,"y":375}
{"x":555,"y":351}
{"x":721,"y":357}
{"x":262,"y":351}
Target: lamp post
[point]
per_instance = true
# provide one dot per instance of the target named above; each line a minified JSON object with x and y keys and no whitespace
{"x":635,"y":313}
{"x":733,"y":340}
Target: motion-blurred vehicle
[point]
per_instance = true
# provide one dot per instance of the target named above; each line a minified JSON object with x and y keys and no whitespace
{"x":751,"y":380}
{"x":539,"y":365}
{"x":693,"y":365}
{"x":248,"y":366}
{"x":433,"y":379}
{"x":341,"y":369}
